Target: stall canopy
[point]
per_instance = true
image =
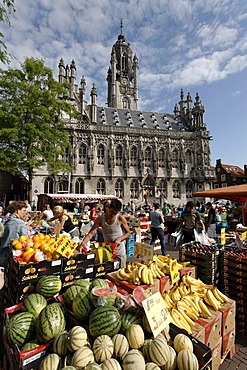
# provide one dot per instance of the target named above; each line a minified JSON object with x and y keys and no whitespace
{"x":71,"y":198}
{"x":237,"y":193}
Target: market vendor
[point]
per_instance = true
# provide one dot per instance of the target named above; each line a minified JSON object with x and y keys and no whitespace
{"x":65,"y":223}
{"x":14,"y":225}
{"x":189,"y":221}
{"x":114,"y":228}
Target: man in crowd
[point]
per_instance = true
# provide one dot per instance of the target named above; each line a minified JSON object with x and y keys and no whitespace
{"x":211,"y":221}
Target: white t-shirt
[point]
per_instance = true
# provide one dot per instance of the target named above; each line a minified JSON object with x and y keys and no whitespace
{"x":48,"y":213}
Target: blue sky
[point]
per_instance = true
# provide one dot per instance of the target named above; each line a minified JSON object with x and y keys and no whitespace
{"x":197,"y":45}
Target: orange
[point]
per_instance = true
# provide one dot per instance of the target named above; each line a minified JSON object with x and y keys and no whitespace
{"x":46,"y":249}
{"x":27,"y":253}
{"x":47,"y":237}
{"x":14,"y":242}
{"x":22,"y":238}
{"x":35,"y":238}
{"x":29,"y":241}
{"x":49,"y":256}
{"x":18,"y":245}
{"x":41,"y":236}
{"x":36,"y":245}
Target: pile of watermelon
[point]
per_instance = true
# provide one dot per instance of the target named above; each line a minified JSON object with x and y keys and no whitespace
{"x":100,"y":335}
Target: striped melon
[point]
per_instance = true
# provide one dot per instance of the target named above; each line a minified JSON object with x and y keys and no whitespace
{"x":82,"y":357}
{"x":49,"y":286}
{"x":171,"y":363}
{"x":77,"y":338}
{"x":81,"y":305}
{"x":20,"y":329}
{"x":102,"y":348}
{"x":93,"y":366}
{"x":60,"y":344}
{"x":182,"y":341}
{"x":145,"y":349}
{"x":50,"y":362}
{"x":159,"y":352}
{"x":120,"y":346}
{"x":99,"y":283}
{"x":69,"y":367}
{"x":50,"y":323}
{"x":34,"y":303}
{"x":70,"y":294}
{"x":110,"y":364}
{"x":104,"y":320}
{"x":151,"y":366}
{"x":128,"y":319}
{"x":28,"y":346}
{"x":82,"y":282}
{"x":135,"y":336}
{"x":187,"y":360}
{"x":133,"y":360}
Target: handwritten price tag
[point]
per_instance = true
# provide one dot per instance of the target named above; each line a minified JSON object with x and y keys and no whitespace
{"x":174,"y":271}
{"x":223,"y":236}
{"x":144,"y":251}
{"x":156,"y":312}
{"x":243,"y":236}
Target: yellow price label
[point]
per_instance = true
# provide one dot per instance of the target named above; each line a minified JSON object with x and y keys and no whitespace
{"x":156,"y":312}
{"x":174,"y":271}
{"x":223,"y":236}
{"x":243,"y":236}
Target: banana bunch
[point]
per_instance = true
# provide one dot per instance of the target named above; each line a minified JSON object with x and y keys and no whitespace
{"x":140,"y":273}
{"x":164,"y":263}
{"x":190,"y":299}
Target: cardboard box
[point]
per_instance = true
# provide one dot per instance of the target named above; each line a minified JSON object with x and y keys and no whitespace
{"x":165,"y":284}
{"x":189,"y":270}
{"x":103,"y":269}
{"x":80,"y":260}
{"x":68,"y":278}
{"x":228,"y":311}
{"x":216,"y":355}
{"x":198,"y":332}
{"x":202,"y":352}
{"x":228,"y":343}
{"x":212,"y":327}
{"x":17,"y":292}
{"x":28,"y":272}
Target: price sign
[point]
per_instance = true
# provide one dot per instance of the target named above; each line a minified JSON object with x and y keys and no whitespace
{"x":243,"y":236}
{"x":223,"y":236}
{"x":174,"y":271}
{"x":156,"y":312}
{"x":144,"y":251}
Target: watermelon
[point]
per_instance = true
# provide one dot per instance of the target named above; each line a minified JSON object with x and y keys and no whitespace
{"x":99,"y":283}
{"x":34,"y":303}
{"x":70,"y":294}
{"x":102,"y":296}
{"x":139,"y":295}
{"x":49,"y":286}
{"x":50,"y":323}
{"x":128,"y":319}
{"x":20,"y":329}
{"x":82,"y":282}
{"x":28,"y":346}
{"x":81,"y":305}
{"x":104,"y":320}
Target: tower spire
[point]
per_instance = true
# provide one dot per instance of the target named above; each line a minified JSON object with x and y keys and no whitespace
{"x":121,"y":26}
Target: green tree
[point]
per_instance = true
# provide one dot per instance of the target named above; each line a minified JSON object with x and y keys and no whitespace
{"x":6,"y":8}
{"x":32,"y":125}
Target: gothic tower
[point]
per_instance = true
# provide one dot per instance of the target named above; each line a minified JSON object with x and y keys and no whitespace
{"x":122,"y":76}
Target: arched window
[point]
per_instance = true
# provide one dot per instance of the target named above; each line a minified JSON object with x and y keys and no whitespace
{"x":101,"y":154}
{"x":101,"y":187}
{"x":119,"y":189}
{"x":66,"y":155}
{"x":189,"y":189}
{"x":134,"y":189}
{"x":49,"y":185}
{"x":133,"y":156}
{"x":176,"y":189}
{"x":79,"y":186}
{"x":188,"y":156}
{"x":63,"y":186}
{"x":162,"y":189}
{"x":119,"y":155}
{"x":82,"y":155}
{"x":147,"y":157}
{"x":124,"y":62}
{"x":175,"y":158}
{"x":161,"y":158}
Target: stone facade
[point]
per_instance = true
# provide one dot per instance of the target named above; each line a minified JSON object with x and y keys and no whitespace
{"x":123,"y":151}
